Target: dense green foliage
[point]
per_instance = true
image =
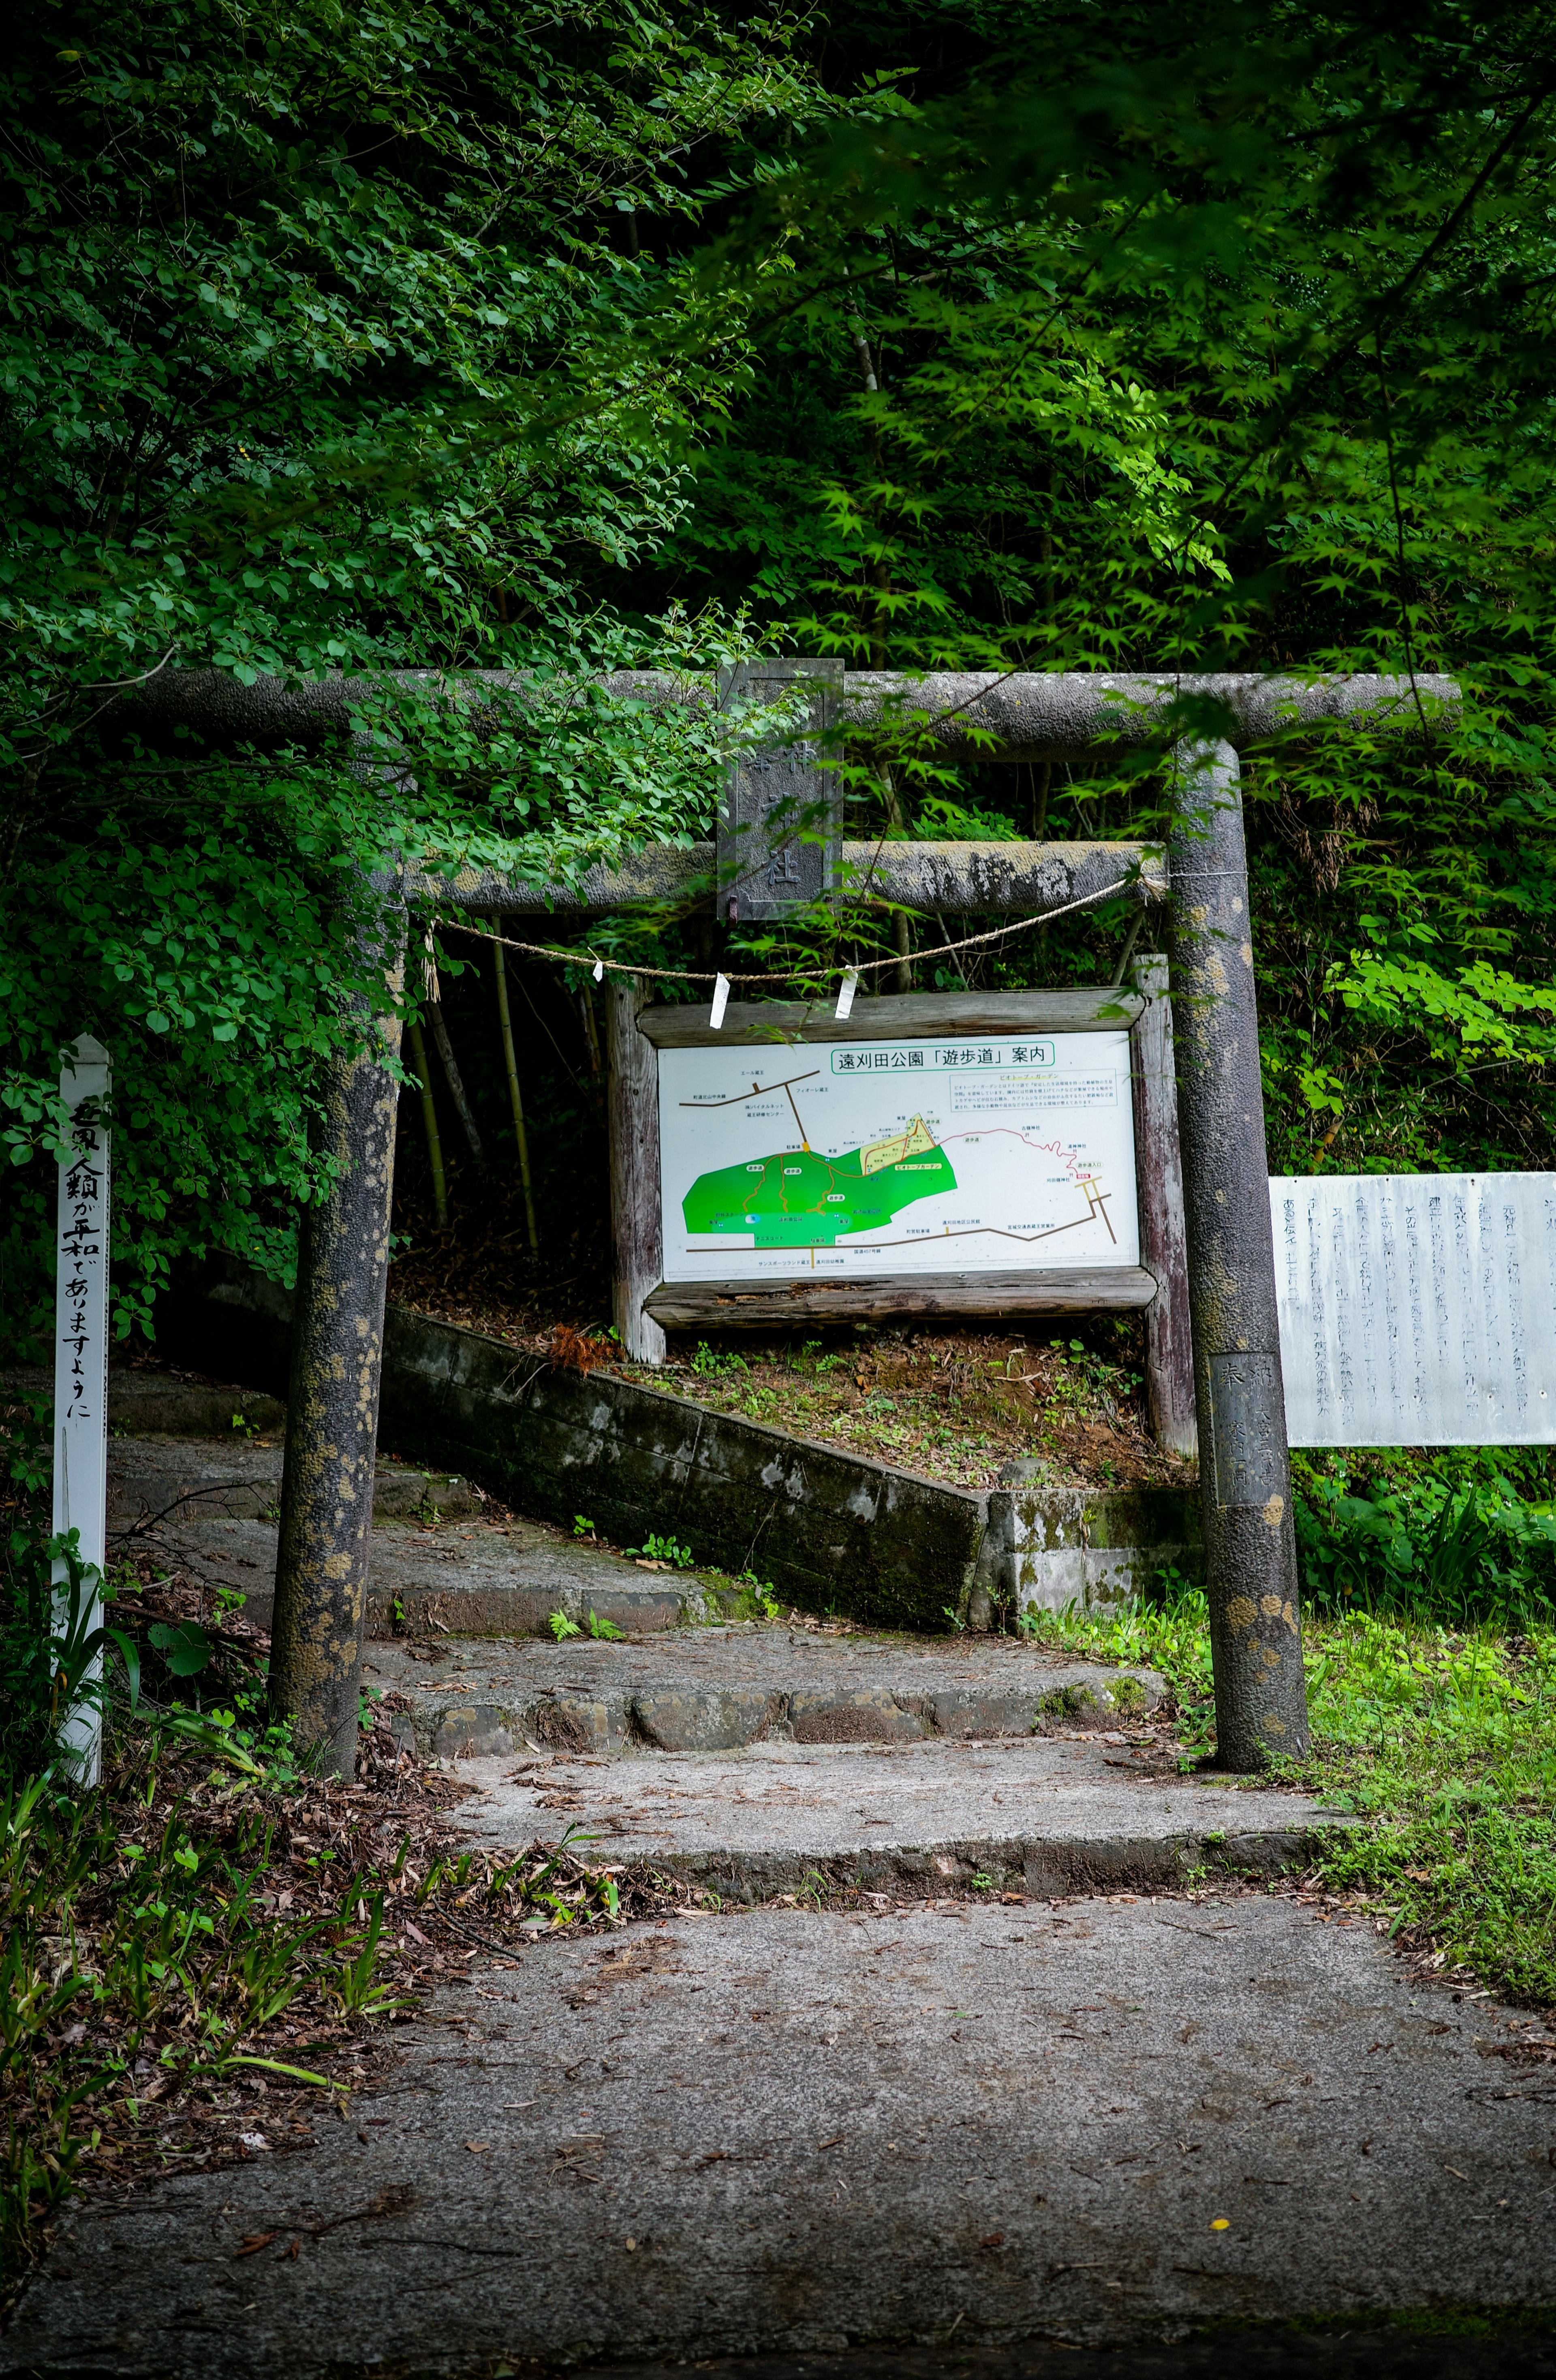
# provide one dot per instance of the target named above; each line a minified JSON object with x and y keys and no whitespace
{"x":1453,"y":1536}
{"x":1221,"y":342}
{"x":318,"y":355}
{"x":975,"y":335}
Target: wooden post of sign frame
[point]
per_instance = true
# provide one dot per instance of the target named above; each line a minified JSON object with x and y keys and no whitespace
{"x":632,"y":1123}
{"x":1163,"y":1244}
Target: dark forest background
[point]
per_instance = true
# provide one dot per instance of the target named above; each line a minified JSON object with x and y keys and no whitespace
{"x":973,"y":336}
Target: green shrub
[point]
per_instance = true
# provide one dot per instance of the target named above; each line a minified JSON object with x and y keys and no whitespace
{"x":1458,"y":1554}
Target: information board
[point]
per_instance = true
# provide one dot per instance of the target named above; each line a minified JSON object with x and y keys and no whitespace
{"x":1417,"y":1309}
{"x":879,"y":1157}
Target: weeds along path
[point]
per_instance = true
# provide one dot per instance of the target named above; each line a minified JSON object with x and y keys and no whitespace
{"x":1442,"y":1741}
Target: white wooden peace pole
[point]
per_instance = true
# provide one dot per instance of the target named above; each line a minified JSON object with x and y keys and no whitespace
{"x":81,"y":1378}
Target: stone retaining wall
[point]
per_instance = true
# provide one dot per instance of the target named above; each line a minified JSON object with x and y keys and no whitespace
{"x":829,"y":1531}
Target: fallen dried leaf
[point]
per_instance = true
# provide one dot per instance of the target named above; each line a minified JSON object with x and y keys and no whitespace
{"x":252,"y":2245}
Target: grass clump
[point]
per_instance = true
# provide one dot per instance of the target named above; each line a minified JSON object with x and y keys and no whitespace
{"x":1442,"y":1739}
{"x":1444,"y":1743}
{"x":1429,"y":1641}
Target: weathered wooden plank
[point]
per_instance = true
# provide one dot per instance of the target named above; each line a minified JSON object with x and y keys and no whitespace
{"x":1164,"y":1246}
{"x":895,"y":1016}
{"x":632,"y":1118}
{"x":947,"y":878}
{"x":780,"y":1305}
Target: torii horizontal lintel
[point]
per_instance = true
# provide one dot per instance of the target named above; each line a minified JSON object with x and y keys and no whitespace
{"x":1022,"y":715}
{"x":1018,"y":878}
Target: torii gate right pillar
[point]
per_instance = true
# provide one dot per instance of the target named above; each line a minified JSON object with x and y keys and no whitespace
{"x":1245,"y":1470}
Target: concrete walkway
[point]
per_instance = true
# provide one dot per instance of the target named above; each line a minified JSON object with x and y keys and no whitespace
{"x":788,"y":2131}
{"x":952,"y":2125}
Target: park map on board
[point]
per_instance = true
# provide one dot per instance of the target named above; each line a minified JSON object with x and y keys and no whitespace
{"x":883,"y":1158}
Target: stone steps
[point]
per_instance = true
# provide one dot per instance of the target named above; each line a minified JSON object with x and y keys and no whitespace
{"x":1013,"y":1815}
{"x":437,"y":1567}
{"x":678,"y":1724}
{"x":503,"y":1583}
{"x":166,"y":1404}
{"x":759,"y":1761}
{"x":728,"y":1687}
{"x":196,"y":1479}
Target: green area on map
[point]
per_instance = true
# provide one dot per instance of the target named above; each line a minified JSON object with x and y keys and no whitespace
{"x":799,"y":1200}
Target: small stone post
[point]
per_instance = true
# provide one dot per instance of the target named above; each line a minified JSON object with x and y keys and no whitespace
{"x":80,"y":1388}
{"x":332,"y":1414}
{"x":1250,"y":1545}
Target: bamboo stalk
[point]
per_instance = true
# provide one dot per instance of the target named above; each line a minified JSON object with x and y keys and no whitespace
{"x":590,"y":1031}
{"x":902,"y":931}
{"x":902,"y":943}
{"x":430,"y":1118}
{"x":445,"y":1051}
{"x":509,"y":1060}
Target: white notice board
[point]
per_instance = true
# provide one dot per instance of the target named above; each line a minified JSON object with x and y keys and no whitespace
{"x":880,"y":1158}
{"x":1417,"y":1309}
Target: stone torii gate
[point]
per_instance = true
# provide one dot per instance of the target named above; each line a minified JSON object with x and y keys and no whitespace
{"x":321,"y":1598}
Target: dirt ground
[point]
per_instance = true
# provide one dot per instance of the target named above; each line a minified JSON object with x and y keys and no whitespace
{"x":951,"y":1403}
